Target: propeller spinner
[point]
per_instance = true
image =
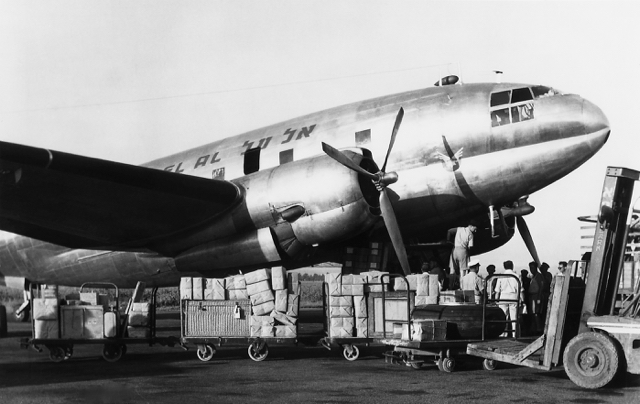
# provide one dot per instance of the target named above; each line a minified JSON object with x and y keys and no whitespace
{"x":381,"y":179}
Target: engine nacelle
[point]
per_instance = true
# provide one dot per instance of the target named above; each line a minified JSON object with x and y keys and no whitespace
{"x":315,"y":201}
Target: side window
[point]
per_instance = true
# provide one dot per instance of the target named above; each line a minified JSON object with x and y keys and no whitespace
{"x":363,"y":137}
{"x":500,"y":117}
{"x":286,"y":156}
{"x":500,"y":98}
{"x":252,"y":160}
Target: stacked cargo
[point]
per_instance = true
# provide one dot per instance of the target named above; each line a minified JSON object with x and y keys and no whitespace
{"x":139,"y":320}
{"x":347,"y":306}
{"x":45,"y":315}
{"x":457,"y":297}
{"x":274,"y":300}
{"x":427,"y":289}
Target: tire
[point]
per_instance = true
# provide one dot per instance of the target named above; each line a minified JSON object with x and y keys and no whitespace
{"x":591,"y":360}
{"x":205,"y":352}
{"x":258,"y":351}
{"x":489,"y":364}
{"x":416,"y":366}
{"x":112,"y":352}
{"x":448,"y":365}
{"x":57,"y":353}
{"x":351,"y":352}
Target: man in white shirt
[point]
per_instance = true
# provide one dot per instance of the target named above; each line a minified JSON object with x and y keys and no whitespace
{"x":462,"y":238}
{"x":508,"y":288}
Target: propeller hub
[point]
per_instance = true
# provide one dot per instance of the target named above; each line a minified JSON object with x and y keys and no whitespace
{"x":386,"y":179}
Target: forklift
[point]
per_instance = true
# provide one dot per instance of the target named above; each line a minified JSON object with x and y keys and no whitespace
{"x":595,"y":337}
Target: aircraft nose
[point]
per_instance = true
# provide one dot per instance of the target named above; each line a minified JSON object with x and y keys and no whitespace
{"x":595,"y":122}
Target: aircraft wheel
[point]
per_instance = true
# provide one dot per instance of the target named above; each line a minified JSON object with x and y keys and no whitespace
{"x":57,"y":353}
{"x":489,"y":364}
{"x":591,"y":360}
{"x":205,"y":352}
{"x":112,"y":352}
{"x":258,"y":351}
{"x":351,"y":352}
{"x":448,"y":365}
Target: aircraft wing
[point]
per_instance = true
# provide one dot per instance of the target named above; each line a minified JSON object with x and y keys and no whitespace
{"x":83,"y":202}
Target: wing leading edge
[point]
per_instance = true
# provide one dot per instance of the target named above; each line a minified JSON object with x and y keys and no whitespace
{"x":83,"y":202}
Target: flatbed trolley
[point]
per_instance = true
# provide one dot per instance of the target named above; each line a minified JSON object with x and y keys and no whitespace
{"x":61,"y":349}
{"x":442,"y":351}
{"x":348,"y":345}
{"x":211,"y":324}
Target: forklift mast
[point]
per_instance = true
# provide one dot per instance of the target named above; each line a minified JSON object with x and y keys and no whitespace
{"x":609,"y":244}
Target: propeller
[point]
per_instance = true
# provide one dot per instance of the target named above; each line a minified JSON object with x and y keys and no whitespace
{"x":381,"y":179}
{"x":523,"y":229}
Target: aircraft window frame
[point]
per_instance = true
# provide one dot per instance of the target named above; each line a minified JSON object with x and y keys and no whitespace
{"x":500,"y":98}
{"x":286,"y":156}
{"x":544,"y":91}
{"x":520,"y":107}
{"x":252,"y":160}
{"x":521,"y":95}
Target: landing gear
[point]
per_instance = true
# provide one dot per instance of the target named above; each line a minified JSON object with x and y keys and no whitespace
{"x":591,"y":360}
{"x":205,"y":352}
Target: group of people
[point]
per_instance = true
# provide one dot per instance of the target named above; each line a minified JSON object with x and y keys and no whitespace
{"x":532,"y":287}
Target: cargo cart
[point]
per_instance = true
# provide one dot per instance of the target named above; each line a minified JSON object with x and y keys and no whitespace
{"x":348,"y":345}
{"x":446,"y":329}
{"x":59,"y":324}
{"x":210,"y":324}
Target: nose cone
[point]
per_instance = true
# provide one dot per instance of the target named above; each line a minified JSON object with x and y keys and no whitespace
{"x":596,"y":124}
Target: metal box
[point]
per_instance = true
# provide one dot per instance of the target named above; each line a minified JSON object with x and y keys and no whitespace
{"x":216,"y":318}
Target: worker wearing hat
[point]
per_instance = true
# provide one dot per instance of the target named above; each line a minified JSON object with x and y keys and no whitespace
{"x":473,"y":281}
{"x":462,"y":238}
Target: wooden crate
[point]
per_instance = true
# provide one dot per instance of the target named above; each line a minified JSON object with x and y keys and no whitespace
{"x":215,"y":318}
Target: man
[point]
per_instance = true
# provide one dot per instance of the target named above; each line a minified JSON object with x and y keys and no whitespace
{"x":507,"y":291}
{"x":535,"y":298}
{"x":546,"y":288}
{"x":562,"y":268}
{"x":436,"y":270}
{"x":472,"y":281}
{"x":491,"y":289}
{"x":462,"y":242}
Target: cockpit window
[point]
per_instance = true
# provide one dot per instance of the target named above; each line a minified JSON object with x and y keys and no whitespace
{"x":521,"y":94}
{"x":519,"y":110}
{"x":544,"y":91}
{"x":500,"y":98}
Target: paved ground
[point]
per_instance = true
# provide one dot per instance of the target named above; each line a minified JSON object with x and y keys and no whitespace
{"x":308,"y":374}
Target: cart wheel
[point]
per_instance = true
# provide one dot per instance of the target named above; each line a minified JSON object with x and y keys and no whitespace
{"x":591,"y":360}
{"x":489,"y":364}
{"x":448,"y":365}
{"x":57,"y":353}
{"x":416,"y":365}
{"x":205,"y":352}
{"x":112,"y":352}
{"x":351,"y":352}
{"x":68,"y":352}
{"x":258,"y":351}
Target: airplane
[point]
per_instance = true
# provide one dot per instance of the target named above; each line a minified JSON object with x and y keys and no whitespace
{"x":403,"y":168}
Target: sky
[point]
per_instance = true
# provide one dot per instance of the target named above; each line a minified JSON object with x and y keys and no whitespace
{"x":135,"y":81}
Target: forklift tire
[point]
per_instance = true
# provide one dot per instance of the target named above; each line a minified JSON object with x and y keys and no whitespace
{"x":591,"y":360}
{"x":489,"y":364}
{"x":112,"y":352}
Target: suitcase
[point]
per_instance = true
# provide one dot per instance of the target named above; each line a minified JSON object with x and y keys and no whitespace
{"x":110,"y":324}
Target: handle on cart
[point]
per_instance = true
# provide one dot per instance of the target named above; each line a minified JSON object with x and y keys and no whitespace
{"x":103,"y":285}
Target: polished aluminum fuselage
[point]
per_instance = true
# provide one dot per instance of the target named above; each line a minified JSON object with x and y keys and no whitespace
{"x":451,"y":159}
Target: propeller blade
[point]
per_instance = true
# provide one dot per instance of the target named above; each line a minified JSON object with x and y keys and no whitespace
{"x":391,"y":222}
{"x":396,"y":126}
{"x":343,"y":159}
{"x":523,"y":229}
